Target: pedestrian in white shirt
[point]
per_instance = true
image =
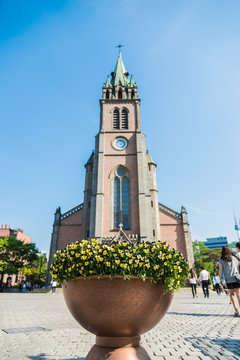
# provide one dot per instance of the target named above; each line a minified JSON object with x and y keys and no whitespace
{"x":204,"y":278}
{"x":216,"y":283}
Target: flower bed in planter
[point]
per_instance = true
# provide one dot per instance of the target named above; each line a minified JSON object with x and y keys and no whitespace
{"x":118,"y":291}
{"x":153,"y":260}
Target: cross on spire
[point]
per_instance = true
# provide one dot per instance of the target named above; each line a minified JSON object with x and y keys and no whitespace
{"x":120,"y":46}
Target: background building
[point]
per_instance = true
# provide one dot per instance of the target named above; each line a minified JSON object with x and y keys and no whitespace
{"x":7,"y":231}
{"x":121,"y":192}
{"x":217,"y":242}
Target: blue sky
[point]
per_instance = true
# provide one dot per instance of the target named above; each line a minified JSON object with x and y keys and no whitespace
{"x":55,"y":56}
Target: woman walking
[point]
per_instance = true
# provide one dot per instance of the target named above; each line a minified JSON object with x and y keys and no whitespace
{"x":193,"y":282}
{"x":229,"y":270}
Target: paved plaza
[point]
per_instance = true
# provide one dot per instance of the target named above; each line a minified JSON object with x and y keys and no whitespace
{"x":39,"y":326}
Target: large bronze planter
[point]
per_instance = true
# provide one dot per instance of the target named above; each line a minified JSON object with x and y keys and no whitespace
{"x":117,"y":311}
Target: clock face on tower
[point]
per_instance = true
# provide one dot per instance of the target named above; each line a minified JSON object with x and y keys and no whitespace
{"x":120,"y":143}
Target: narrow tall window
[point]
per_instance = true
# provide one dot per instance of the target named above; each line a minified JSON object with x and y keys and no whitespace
{"x":107,"y":94}
{"x":124,"y":119}
{"x":120,"y":93}
{"x":116,"y":123}
{"x":116,"y":203}
{"x":121,"y":200}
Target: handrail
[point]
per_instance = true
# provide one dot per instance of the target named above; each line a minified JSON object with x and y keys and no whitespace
{"x":72,"y":211}
{"x":170,"y":211}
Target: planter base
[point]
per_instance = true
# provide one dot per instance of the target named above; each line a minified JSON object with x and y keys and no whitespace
{"x":117,"y":348}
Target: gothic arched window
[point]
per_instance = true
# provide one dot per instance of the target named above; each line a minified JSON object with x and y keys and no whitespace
{"x":121,"y":211}
{"x":116,"y":122}
{"x":107,"y":94}
{"x":124,"y":119}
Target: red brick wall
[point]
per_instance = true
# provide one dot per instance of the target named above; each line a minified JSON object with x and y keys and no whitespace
{"x":70,"y":229}
{"x":172,"y":231}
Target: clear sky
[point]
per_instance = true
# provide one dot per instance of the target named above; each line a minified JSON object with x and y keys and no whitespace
{"x":55,"y":56}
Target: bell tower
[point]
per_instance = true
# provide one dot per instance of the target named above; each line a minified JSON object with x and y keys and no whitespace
{"x":120,"y":186}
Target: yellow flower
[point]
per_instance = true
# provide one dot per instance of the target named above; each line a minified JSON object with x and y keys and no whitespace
{"x":165,"y":264}
{"x":105,"y":252}
{"x":101,"y":259}
{"x":108,"y":264}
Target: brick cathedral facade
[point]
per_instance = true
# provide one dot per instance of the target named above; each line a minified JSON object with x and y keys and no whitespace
{"x":120,"y":183}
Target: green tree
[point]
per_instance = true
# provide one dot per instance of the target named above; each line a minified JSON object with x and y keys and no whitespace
{"x":37,"y":270}
{"x":14,"y":254}
{"x":232,"y":245}
{"x":205,"y":257}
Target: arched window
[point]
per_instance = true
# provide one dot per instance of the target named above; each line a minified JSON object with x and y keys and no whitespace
{"x":121,"y":200}
{"x":124,"y":119}
{"x":107,"y":94}
{"x":116,"y":122}
{"x":132,"y":94}
{"x":120,"y":93}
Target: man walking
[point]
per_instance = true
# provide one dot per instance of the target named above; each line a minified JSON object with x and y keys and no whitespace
{"x":204,"y":278}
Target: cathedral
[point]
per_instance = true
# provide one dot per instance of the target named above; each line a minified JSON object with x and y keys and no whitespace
{"x":120,"y":195}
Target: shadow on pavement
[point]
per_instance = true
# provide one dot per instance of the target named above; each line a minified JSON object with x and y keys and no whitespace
{"x":227,"y":347}
{"x":197,"y":314}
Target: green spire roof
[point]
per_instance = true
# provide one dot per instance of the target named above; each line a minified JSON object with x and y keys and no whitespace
{"x":120,"y":74}
{"x":108,"y":83}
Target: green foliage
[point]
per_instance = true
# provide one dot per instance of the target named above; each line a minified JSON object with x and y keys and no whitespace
{"x":205,"y":257}
{"x":37,"y":270}
{"x":14,"y":254}
{"x":232,"y":245}
{"x":155,"y":261}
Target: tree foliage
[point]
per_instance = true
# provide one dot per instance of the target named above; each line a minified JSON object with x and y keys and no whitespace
{"x":14,"y":254}
{"x":36,"y":271}
{"x":205,"y":257}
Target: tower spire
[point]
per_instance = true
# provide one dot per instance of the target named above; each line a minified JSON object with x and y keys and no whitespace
{"x":119,"y":87}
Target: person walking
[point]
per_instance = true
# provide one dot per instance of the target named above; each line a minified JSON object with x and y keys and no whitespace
{"x":204,"y":278}
{"x":229,"y":270}
{"x":193,"y":282}
{"x":53,"y":285}
{"x":216,"y":283}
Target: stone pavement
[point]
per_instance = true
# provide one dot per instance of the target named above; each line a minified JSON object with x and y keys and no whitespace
{"x":193,"y":329}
